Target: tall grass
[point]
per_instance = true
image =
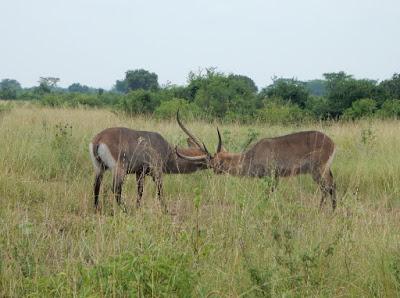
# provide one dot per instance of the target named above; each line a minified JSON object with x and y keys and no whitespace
{"x":225,"y":236}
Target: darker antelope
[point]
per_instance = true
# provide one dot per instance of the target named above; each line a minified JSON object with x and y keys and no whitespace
{"x":126,"y":151}
{"x":298,"y":153}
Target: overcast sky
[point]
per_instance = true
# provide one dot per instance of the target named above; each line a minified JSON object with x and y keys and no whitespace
{"x":95,"y":41}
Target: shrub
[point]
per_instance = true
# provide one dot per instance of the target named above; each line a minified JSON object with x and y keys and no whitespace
{"x":318,"y":106}
{"x":360,"y":108}
{"x":139,"y":102}
{"x":167,"y":109}
{"x":52,"y":100}
{"x":390,"y":109}
{"x":80,"y":99}
{"x":275,"y":112}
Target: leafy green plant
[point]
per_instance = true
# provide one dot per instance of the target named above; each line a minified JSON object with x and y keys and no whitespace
{"x":360,"y":108}
{"x":167,"y":109}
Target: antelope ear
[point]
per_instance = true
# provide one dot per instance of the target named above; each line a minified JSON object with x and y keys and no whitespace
{"x":191,"y":143}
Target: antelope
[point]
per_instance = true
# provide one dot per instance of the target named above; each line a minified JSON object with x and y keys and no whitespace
{"x":125,"y":151}
{"x":307,"y":152}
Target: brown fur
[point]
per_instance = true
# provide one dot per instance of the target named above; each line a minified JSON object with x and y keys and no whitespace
{"x":308,"y":152}
{"x":142,"y":153}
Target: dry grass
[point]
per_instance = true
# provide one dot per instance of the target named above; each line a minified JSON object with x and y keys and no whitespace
{"x":224,"y":237}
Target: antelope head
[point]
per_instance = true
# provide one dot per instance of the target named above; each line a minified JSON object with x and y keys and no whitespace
{"x":221,"y":162}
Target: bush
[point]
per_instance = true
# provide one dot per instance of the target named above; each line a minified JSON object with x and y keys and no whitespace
{"x":220,"y":95}
{"x":139,"y":102}
{"x":52,"y":100}
{"x":360,"y":108}
{"x":278,"y":113}
{"x":318,"y":107}
{"x":390,"y":109}
{"x":167,"y":109}
{"x":78,"y":99}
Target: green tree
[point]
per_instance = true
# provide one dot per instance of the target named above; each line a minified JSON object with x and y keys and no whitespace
{"x":318,"y":106}
{"x":140,"y":79}
{"x":78,"y":88}
{"x":168,"y":108}
{"x":221,"y":95}
{"x":360,"y":108}
{"x":289,"y":90}
{"x":391,"y":87}
{"x":46,"y":85}
{"x":139,"y":102}
{"x":120,"y":86}
{"x":316,"y":87}
{"x":390,"y":109}
{"x":276,"y":111}
{"x":245,"y":80}
{"x":9,"y":89}
{"x":343,"y":90}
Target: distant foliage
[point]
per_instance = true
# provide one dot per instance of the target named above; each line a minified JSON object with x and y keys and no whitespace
{"x":390,"y":109}
{"x":220,"y":95}
{"x":210,"y":94}
{"x":391,"y":88}
{"x":289,"y":90}
{"x":139,"y":102}
{"x":275,"y":112}
{"x":316,"y":87}
{"x":343,"y":90}
{"x":167,"y":109}
{"x":78,"y":88}
{"x":9,"y":89}
{"x":360,"y":109}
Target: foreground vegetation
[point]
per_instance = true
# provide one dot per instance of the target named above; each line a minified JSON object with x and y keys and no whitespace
{"x":224,"y":237}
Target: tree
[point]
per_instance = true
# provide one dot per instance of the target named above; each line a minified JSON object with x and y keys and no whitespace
{"x":289,"y":90}
{"x":46,"y":85}
{"x":78,"y":88}
{"x":343,"y":90}
{"x":222,"y":96}
{"x":316,"y":87}
{"x":121,"y":86}
{"x":245,"y":80}
{"x":138,"y":79}
{"x":391,"y":87}
{"x":51,"y":82}
{"x":364,"y":107}
{"x":139,"y":102}
{"x":9,"y":89}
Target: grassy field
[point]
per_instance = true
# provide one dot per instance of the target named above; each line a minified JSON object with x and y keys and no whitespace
{"x":224,"y":237}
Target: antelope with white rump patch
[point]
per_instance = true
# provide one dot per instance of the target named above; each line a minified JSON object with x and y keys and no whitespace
{"x":298,"y":153}
{"x":126,"y":151}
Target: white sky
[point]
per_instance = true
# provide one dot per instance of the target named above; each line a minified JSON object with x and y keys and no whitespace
{"x":95,"y":41}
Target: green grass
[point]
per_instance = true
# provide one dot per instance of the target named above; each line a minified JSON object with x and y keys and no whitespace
{"x":225,"y":236}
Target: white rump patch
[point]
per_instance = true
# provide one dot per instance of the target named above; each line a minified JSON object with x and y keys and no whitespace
{"x":105,"y":155}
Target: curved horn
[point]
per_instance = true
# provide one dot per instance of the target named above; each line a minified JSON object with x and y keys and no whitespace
{"x":191,"y":158}
{"x":192,"y":137}
{"x":206,"y":150}
{"x":219,"y":141}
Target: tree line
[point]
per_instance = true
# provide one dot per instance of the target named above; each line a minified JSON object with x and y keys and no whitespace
{"x":230,"y":97}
